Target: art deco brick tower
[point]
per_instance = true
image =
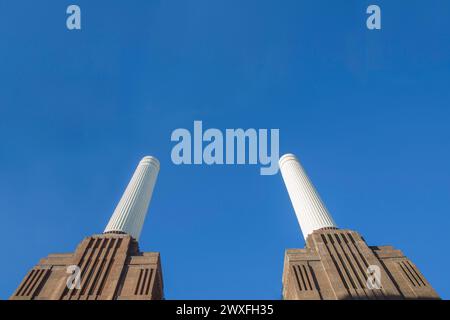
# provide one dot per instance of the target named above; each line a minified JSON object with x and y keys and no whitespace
{"x":338,"y":264}
{"x":109,"y":265}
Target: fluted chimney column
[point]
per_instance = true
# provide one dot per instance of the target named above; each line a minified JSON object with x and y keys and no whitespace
{"x":129,"y":215}
{"x":309,"y":208}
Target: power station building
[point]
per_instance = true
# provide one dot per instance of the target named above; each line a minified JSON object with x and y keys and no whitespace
{"x":337,"y":264}
{"x":106,"y":266}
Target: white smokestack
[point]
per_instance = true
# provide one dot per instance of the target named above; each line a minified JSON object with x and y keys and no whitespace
{"x":309,"y":208}
{"x":129,"y":215}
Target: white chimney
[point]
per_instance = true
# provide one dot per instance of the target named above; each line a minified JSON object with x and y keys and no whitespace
{"x":129,"y":215}
{"x":309,"y":208}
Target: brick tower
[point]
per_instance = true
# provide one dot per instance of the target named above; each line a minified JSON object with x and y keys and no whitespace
{"x":107,"y":266}
{"x":338,"y":264}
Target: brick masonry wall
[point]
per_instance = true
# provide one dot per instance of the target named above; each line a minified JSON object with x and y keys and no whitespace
{"x":111,"y":267}
{"x":334,"y":265}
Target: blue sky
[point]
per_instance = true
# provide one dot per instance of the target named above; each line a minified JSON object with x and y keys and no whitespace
{"x":367,"y":112}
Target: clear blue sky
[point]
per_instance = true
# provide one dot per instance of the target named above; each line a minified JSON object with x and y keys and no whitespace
{"x":367,"y":112}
